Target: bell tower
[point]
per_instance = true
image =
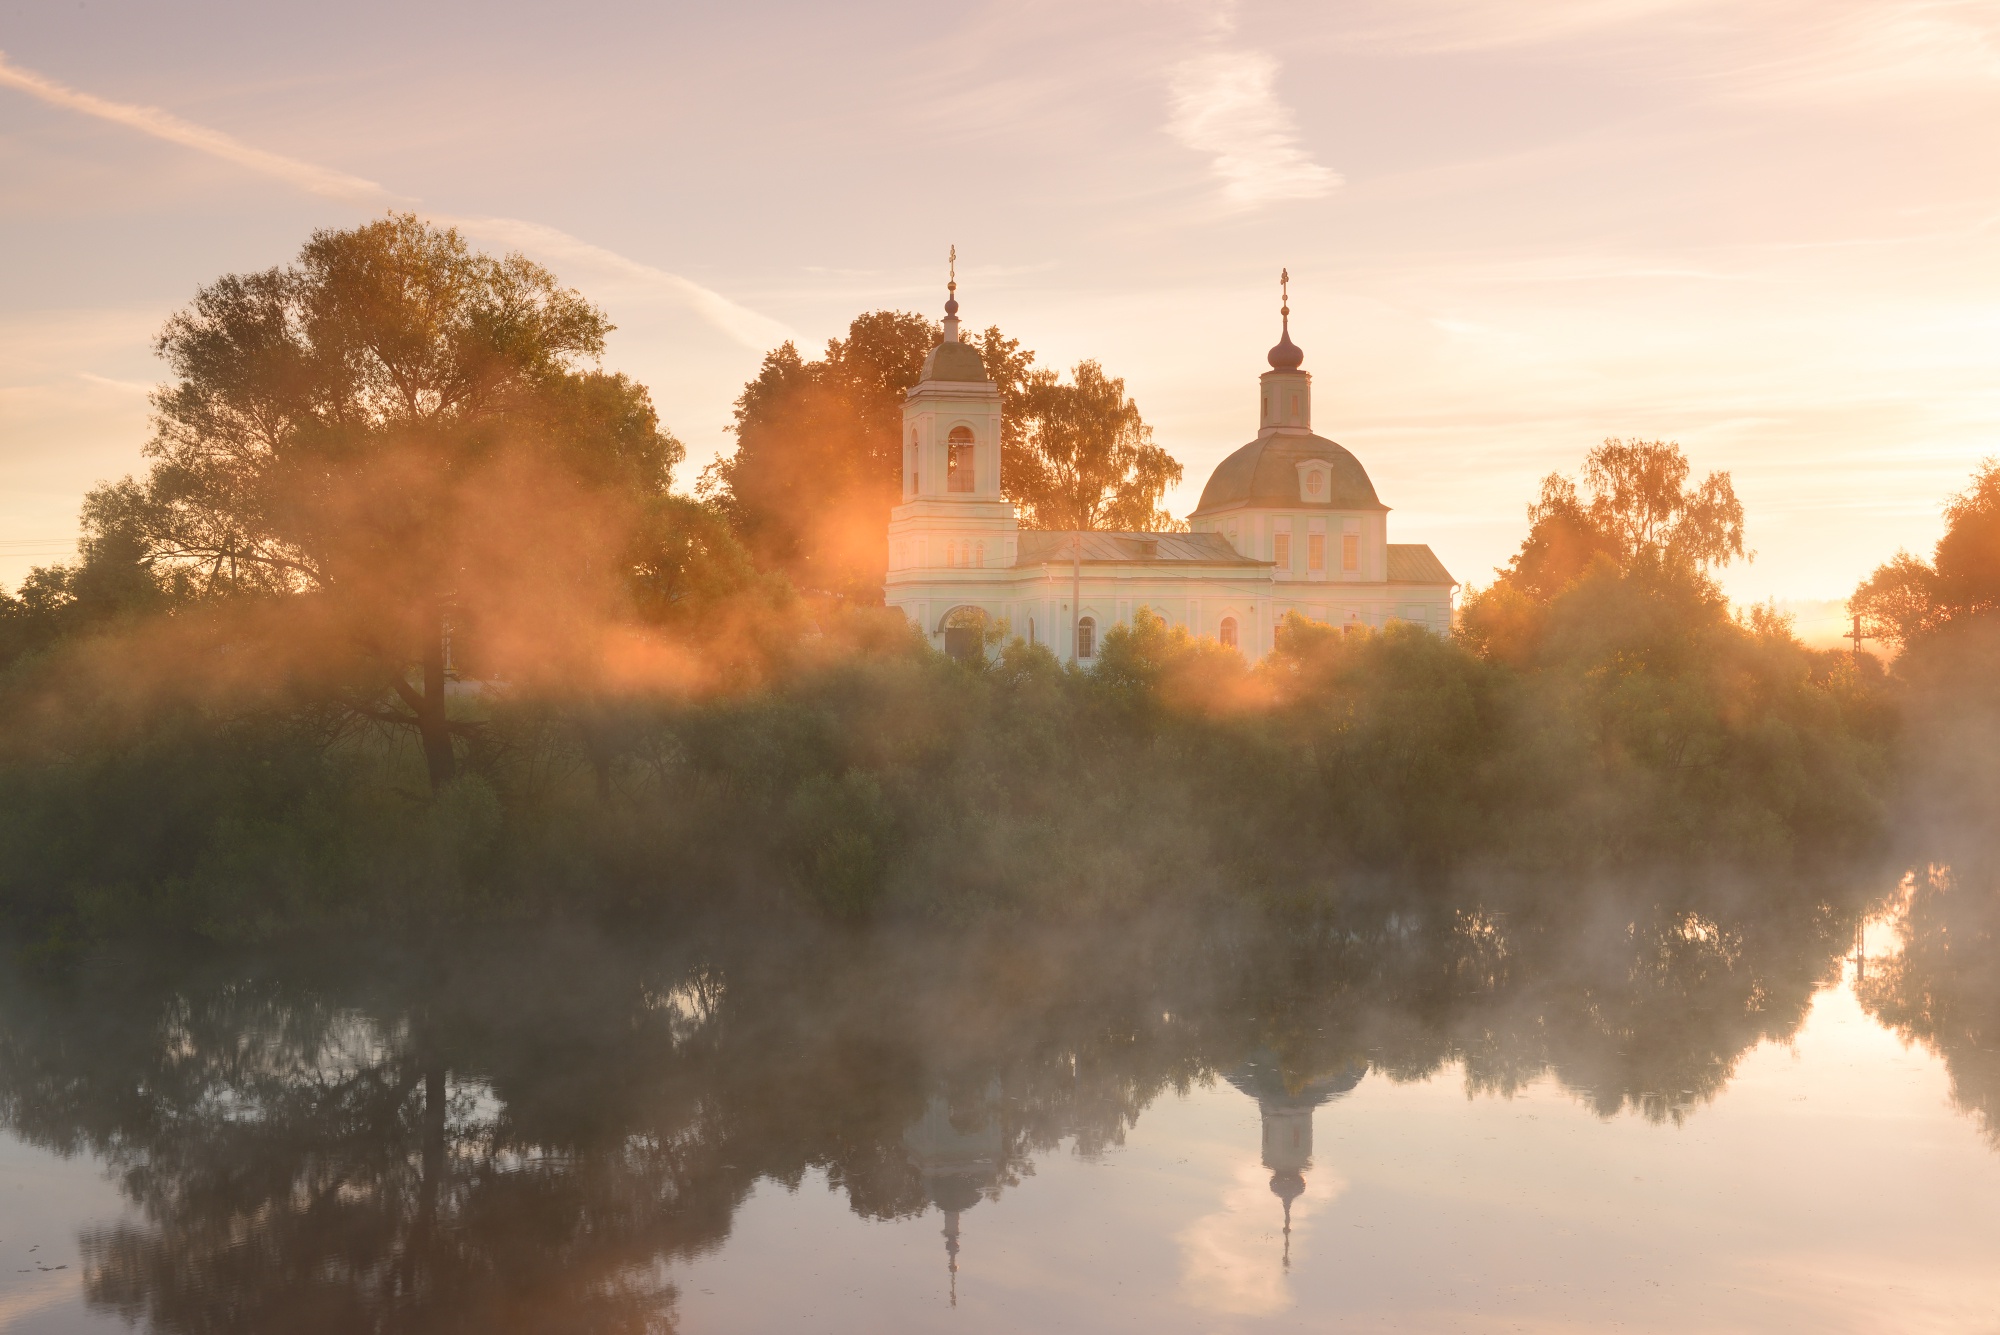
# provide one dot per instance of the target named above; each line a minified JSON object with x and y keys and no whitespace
{"x":1286,"y":390}
{"x":952,"y":516}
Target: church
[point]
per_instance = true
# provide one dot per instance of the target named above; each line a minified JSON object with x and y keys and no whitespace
{"x":1288,"y":523}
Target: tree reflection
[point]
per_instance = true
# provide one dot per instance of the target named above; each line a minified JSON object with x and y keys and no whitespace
{"x":529,"y":1134}
{"x":1943,"y":988}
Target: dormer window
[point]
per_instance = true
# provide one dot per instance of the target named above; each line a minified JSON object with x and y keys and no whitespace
{"x":961,"y":459}
{"x":1315,"y":482}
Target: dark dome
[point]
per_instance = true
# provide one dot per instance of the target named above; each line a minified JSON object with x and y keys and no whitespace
{"x":954,"y":361}
{"x":1287,"y":355}
{"x":1265,"y":473}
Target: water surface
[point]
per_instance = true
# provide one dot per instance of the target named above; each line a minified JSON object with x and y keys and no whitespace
{"x":1636,"y":1111}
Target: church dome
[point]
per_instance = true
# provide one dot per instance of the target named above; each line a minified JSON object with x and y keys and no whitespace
{"x":1265,"y":474}
{"x":952,"y":360}
{"x":1287,"y":355}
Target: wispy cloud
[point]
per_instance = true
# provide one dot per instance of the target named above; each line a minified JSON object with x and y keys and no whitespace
{"x":738,"y":322}
{"x":1225,"y":104}
{"x":307,"y":176}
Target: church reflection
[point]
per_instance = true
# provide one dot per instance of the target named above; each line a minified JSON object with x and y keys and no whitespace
{"x":1285,"y":1107}
{"x":958,"y":1151}
{"x":525,"y":1136}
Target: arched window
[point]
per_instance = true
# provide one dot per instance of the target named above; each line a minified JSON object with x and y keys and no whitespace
{"x":1086,"y":638}
{"x":951,"y":553}
{"x":1229,"y":631}
{"x":960,"y":442}
{"x":981,"y":556}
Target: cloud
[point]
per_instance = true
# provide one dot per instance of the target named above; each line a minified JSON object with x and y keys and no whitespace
{"x":738,"y":322}
{"x":1230,"y":1256}
{"x":1225,"y":104}
{"x":165,"y":125}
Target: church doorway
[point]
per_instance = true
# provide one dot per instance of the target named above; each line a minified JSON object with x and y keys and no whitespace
{"x":965,"y":634}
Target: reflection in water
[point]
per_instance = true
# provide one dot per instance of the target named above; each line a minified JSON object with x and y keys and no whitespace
{"x":1285,"y":1112}
{"x":958,"y":1152}
{"x":1942,"y":989}
{"x":514,"y":1135}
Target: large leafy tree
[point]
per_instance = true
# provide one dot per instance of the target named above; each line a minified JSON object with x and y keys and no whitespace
{"x":1085,"y":458}
{"x":1624,"y":559}
{"x":818,"y":462}
{"x":818,"y":459}
{"x":402,"y":428}
{"x":1637,"y":509}
{"x":1908,"y":598}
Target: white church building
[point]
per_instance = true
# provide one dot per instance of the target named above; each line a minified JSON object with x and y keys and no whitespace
{"x":1288,"y":523}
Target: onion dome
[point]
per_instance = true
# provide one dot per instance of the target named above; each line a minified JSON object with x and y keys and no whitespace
{"x":1287,"y":355}
{"x":951,"y":359}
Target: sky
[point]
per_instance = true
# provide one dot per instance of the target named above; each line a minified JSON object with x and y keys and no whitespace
{"x":1767,"y":230}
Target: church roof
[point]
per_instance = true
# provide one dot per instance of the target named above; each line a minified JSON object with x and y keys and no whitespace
{"x":1266,"y":473}
{"x":1415,"y":563}
{"x":1046,"y":545}
{"x":1264,"y":1078}
{"x":952,"y":360}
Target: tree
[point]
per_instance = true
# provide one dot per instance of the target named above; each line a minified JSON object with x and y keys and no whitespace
{"x":1086,"y":458}
{"x":114,"y":578}
{"x":385,"y":425}
{"x":1909,"y":598}
{"x":818,"y":463}
{"x":818,"y":459}
{"x":1641,"y":515}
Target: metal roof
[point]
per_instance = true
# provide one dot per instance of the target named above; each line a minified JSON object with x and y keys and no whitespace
{"x":1265,"y":474}
{"x":1415,"y":563}
{"x":953,"y":361}
{"x":1048,"y":545}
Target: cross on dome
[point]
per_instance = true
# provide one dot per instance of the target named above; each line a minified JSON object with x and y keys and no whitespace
{"x":1287,"y":355}
{"x":951,"y":298}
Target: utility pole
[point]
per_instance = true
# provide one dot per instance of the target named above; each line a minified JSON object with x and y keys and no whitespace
{"x":1075,"y":590}
{"x":1856,"y":635}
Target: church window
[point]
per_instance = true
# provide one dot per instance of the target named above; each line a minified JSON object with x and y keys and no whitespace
{"x":1229,"y":631}
{"x":1316,"y":551}
{"x":960,"y":442}
{"x":1315,"y":482}
{"x":1086,"y":638}
{"x":1281,"y":550}
{"x":951,"y":553}
{"x":1350,"y":551}
{"x":981,"y":562}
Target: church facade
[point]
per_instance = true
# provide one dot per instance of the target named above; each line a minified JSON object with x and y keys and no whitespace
{"x":1288,"y":523}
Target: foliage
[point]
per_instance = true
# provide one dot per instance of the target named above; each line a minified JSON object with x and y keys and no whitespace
{"x":394,"y":457}
{"x":1906,"y":599}
{"x":401,"y":427}
{"x":818,"y":462}
{"x":818,"y":459}
{"x":1086,"y":459}
{"x":1640,"y":514}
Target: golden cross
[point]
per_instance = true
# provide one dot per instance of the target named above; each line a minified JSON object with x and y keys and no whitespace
{"x":1284,"y":286}
{"x":953,"y":284}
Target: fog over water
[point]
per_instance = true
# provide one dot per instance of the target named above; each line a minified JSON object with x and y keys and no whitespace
{"x":1548,"y":1106}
